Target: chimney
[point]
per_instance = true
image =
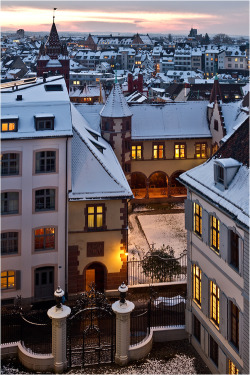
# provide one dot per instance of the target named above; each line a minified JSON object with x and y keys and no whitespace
{"x":19,"y":97}
{"x":45,"y":75}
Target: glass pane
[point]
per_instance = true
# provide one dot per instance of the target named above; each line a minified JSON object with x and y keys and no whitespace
{"x":4,"y":126}
{"x":99,"y":209}
{"x":99,"y":220}
{"x":91,"y":223}
{"x":91,"y":210}
{"x":11,"y":126}
{"x":11,"y":282}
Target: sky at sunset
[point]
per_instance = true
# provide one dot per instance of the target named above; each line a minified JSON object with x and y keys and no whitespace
{"x":177,"y":17}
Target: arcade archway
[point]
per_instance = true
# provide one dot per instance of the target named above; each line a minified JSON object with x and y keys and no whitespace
{"x":158,"y":185}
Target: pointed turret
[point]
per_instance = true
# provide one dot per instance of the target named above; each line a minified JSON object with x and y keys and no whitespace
{"x":216,"y":91}
{"x":116,"y":126}
{"x":53,"y":44}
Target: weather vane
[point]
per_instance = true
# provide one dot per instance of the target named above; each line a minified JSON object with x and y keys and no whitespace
{"x":54,"y":14}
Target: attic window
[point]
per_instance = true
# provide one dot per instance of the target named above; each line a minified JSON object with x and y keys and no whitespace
{"x":94,"y":135}
{"x":99,"y":147}
{"x":9,"y":125}
{"x":53,"y":87}
{"x":220,"y":174}
{"x":44,"y":123}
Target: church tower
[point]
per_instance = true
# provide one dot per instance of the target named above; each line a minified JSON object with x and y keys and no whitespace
{"x":116,"y":127}
{"x":53,"y":56}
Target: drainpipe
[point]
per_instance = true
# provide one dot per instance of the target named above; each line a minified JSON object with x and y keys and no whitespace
{"x":66,"y":222}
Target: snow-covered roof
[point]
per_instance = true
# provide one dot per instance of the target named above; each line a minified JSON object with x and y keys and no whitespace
{"x":95,"y":175}
{"x":235,"y":199}
{"x":170,"y":121}
{"x":37,"y":101}
{"x":233,"y":117}
{"x":91,"y":114}
{"x":116,"y":105}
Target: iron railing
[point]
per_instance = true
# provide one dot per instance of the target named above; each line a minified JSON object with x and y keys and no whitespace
{"x":32,"y":328}
{"x":168,"y":272}
{"x":163,"y":309}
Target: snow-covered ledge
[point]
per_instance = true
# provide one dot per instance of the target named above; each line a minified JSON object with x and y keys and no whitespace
{"x":34,"y":362}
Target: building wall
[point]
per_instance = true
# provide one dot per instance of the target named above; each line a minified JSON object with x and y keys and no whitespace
{"x":28,"y":260}
{"x":114,"y":239}
{"x":169,"y":164}
{"x":215,"y":268}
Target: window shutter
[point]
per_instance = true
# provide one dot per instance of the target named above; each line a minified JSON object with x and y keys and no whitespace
{"x":189,"y":214}
{"x":224,"y":241}
{"x":205,"y":227}
{"x":205,"y":294}
{"x":18,"y":280}
{"x":223,"y":315}
{"x":243,"y":338}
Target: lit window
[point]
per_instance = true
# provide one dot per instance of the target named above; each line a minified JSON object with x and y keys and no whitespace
{"x":215,"y":304}
{"x":136,"y":152}
{"x":9,"y":203}
{"x":201,"y":150}
{"x":158,"y":151}
{"x":236,"y":59}
{"x":197,"y":219}
{"x":215,"y":234}
{"x":212,"y":59}
{"x":232,"y":368}
{"x":234,"y":319}
{"x":95,"y":217}
{"x":9,"y":243}
{"x":197,"y":284}
{"x":180,"y":151}
{"x":45,"y":200}
{"x":9,"y":164}
{"x":7,"y":280}
{"x":45,"y":239}
{"x":9,"y":125}
{"x":45,"y":161}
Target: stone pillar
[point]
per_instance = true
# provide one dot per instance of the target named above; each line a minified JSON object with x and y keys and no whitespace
{"x":122,"y":309}
{"x":59,"y":314}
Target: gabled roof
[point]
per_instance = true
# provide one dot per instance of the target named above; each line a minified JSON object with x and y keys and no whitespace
{"x":234,"y":199}
{"x":116,"y":105}
{"x":95,"y":175}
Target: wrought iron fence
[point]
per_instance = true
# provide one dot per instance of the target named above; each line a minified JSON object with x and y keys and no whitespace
{"x":32,"y":328}
{"x":162,"y":309}
{"x":174,"y":269}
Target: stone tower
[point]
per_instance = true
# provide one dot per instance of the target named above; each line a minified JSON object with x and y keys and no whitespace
{"x":116,"y":127}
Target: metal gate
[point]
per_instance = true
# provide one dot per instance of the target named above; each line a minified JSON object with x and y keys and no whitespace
{"x":91,"y":331}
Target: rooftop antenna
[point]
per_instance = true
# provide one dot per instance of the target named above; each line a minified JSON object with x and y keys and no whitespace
{"x":54,"y":14}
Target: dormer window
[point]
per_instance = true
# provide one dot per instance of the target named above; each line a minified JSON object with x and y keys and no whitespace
{"x":43,"y":122}
{"x":9,"y":125}
{"x":224,"y":171}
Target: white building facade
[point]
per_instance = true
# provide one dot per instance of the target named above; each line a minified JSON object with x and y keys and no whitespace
{"x":36,"y":131}
{"x":217,"y":223}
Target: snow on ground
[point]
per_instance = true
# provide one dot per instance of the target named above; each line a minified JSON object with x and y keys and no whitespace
{"x":165,"y":229}
{"x":161,"y":228}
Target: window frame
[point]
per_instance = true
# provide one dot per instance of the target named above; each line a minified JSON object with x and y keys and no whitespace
{"x":36,"y":152}
{"x":39,"y":120}
{"x":233,"y":249}
{"x":197,"y":284}
{"x":8,"y":241}
{"x":177,"y":146}
{"x":9,"y":121}
{"x":234,"y":325}
{"x":8,"y":161}
{"x":196,"y":328}
{"x":44,"y":235}
{"x":200,"y":144}
{"x":136,"y":151}
{"x":7,"y":280}
{"x":215,"y":304}
{"x":13,"y":212}
{"x":213,"y":351}
{"x":197,"y":219}
{"x":157,"y":145}
{"x":215,"y":234}
{"x":95,"y":228}
{"x":45,"y":209}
